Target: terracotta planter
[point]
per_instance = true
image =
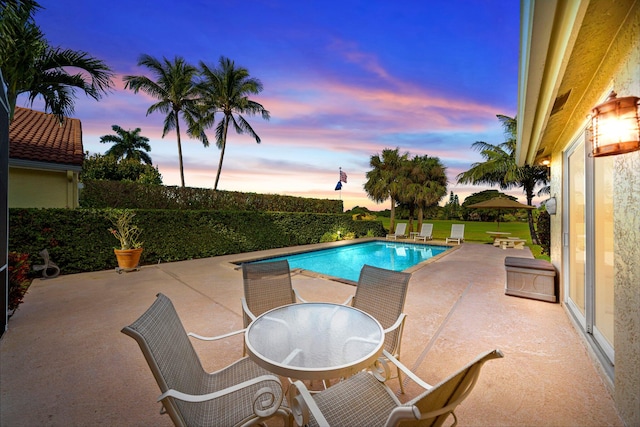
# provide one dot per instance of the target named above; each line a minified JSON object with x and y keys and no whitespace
{"x":128,"y":259}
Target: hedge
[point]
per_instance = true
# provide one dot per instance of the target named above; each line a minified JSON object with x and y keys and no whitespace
{"x":100,"y":194}
{"x":78,"y":240}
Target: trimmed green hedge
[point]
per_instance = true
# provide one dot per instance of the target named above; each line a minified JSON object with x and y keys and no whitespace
{"x":78,"y":240}
{"x":100,"y":194}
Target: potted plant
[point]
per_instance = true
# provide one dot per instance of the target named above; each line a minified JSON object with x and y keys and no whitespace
{"x":128,"y":234}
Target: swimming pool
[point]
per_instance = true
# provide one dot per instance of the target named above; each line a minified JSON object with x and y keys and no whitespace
{"x":345,"y":262}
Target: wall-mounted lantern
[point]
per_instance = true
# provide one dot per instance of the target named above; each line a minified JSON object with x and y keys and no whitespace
{"x":615,"y":126}
{"x":550,"y":205}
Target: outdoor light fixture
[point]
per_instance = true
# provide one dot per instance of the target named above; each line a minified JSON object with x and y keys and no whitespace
{"x":615,"y":126}
{"x":550,"y":205}
{"x":545,"y":161}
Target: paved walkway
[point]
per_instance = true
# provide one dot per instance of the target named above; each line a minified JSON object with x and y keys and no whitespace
{"x":64,"y":362}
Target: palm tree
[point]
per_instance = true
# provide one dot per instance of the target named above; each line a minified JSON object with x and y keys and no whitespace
{"x":174,"y":88}
{"x":426,"y":184}
{"x":128,"y":144}
{"x":384,"y":181}
{"x":500,"y":168}
{"x":31,"y":66}
{"x":226,"y":89}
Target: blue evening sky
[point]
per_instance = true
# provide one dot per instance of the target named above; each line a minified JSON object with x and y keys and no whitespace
{"x":343,"y":80}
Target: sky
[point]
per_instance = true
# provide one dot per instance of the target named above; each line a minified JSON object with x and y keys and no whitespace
{"x":342,"y":80}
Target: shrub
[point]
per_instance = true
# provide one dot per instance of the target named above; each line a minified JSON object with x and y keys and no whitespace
{"x":328,"y":237}
{"x":363,"y":217}
{"x":338,"y":234}
{"x":544,"y":231}
{"x":135,"y":195}
{"x":109,"y":168}
{"x":78,"y":240}
{"x":19,"y":280}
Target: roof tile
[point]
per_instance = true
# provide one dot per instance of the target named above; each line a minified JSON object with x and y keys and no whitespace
{"x":40,"y":137}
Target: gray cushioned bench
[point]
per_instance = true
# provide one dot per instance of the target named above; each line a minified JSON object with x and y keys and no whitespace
{"x":530,"y":278}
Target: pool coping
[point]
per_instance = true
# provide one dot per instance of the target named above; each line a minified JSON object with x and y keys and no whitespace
{"x":294,"y":250}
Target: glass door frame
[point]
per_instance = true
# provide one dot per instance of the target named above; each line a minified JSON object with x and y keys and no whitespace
{"x":566,"y":232}
{"x":586,"y":321}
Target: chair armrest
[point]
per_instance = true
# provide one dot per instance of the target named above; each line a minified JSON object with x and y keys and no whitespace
{"x":382,"y":372}
{"x":302,"y":404}
{"x":348,"y":301}
{"x":266,"y":401}
{"x":397,"y":324}
{"x":298,"y":297}
{"x":218,"y":337}
{"x":403,"y":413}
{"x":246,"y":310}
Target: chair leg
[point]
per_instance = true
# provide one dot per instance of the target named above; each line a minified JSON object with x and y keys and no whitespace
{"x":400,"y":381}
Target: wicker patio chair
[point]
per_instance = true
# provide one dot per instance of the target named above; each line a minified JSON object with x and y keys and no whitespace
{"x":238,"y":395}
{"x":365,"y":400}
{"x":382,"y":293}
{"x":267,"y":285}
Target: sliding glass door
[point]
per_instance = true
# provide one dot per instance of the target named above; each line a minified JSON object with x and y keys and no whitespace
{"x":588,"y":244}
{"x":603,"y":275}
{"x":574,"y":231}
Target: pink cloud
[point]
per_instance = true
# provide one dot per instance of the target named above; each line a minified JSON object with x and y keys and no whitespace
{"x":367,"y":61}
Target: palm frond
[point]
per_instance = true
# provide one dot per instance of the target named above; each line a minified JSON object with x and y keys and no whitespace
{"x":170,"y":123}
{"x":96,"y":72}
{"x":220,"y":134}
{"x":162,"y":106}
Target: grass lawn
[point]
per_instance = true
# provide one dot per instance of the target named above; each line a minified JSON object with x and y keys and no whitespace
{"x":475,"y":231}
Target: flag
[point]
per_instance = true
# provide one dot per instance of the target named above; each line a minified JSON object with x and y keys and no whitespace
{"x":343,"y":176}
{"x":338,"y":186}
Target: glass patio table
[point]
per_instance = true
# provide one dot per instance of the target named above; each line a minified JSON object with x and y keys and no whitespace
{"x":314,"y":341}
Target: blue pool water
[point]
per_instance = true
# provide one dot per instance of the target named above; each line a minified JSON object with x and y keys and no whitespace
{"x":346,"y":261}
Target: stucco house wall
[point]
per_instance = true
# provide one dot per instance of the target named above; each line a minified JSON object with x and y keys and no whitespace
{"x":626,"y":381}
{"x":584,"y":49}
{"x":41,"y":188}
{"x":626,"y":201}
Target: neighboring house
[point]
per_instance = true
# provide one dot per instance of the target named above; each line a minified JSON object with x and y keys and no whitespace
{"x":45,"y":160}
{"x":573,"y":54}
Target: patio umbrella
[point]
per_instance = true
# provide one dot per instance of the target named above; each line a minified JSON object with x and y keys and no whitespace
{"x":500,"y":203}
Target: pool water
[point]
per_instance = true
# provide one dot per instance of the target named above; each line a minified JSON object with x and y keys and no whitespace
{"x":345,"y":262}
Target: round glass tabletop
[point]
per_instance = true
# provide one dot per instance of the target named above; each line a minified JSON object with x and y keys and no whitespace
{"x":314,"y":340}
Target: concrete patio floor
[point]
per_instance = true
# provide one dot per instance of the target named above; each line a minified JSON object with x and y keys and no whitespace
{"x":64,"y":361}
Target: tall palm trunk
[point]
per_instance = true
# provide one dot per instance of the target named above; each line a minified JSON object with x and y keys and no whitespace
{"x":12,"y":96}
{"x":224,"y":145}
{"x":392,"y":222}
{"x":420,"y":217}
{"x":532,"y":229}
{"x":179,"y":150}
{"x":412,"y":212}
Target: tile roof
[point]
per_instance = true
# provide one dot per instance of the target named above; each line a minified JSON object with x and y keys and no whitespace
{"x":39,"y":137}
